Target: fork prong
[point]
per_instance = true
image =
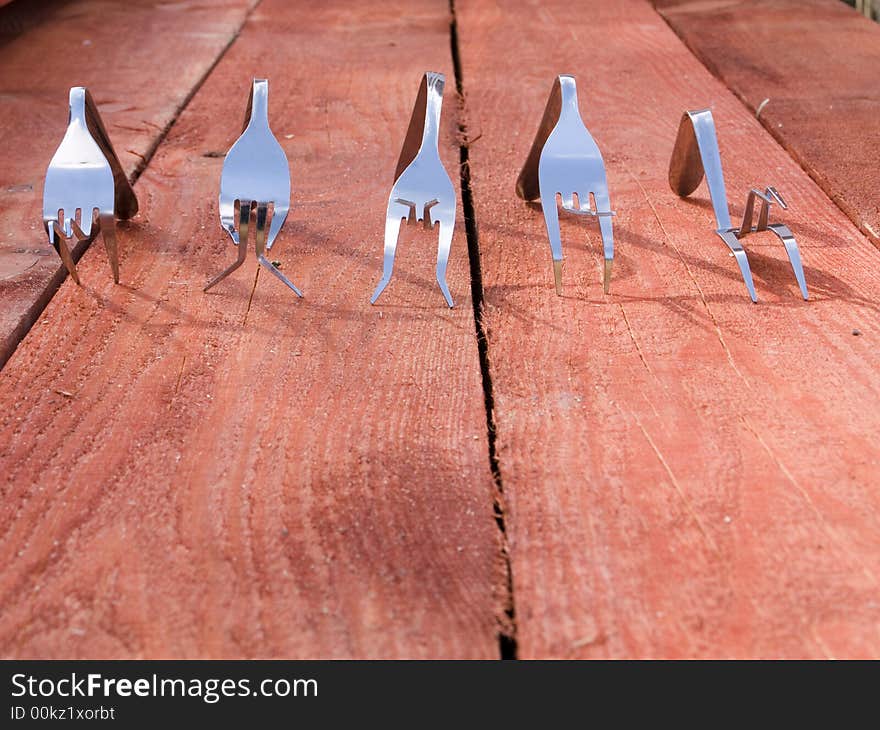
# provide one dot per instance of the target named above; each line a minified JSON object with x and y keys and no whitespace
{"x":107,"y":226}
{"x":729,"y":237}
{"x":242,"y":252}
{"x":446,"y":230}
{"x":228,"y":215}
{"x":606,"y":227}
{"x":260,"y":229}
{"x":774,"y":193}
{"x":428,"y":219}
{"x":274,"y":269}
{"x":59,"y":243}
{"x":77,"y":232}
{"x":87,"y":220}
{"x":279,"y":215}
{"x":260,"y":242}
{"x":794,"y":255}
{"x":392,"y":230}
{"x":244,"y":218}
{"x":746,"y":272}
{"x":551,"y":219}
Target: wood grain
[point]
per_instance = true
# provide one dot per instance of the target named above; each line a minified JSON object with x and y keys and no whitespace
{"x":686,"y":474}
{"x":811,"y":69}
{"x":141,"y":60}
{"x":243,"y":473}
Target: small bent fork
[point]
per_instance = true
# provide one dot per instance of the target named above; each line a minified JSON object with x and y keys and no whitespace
{"x":255,"y":174}
{"x":696,"y":155}
{"x":85,"y":188}
{"x":565,"y":160}
{"x":422,"y":190}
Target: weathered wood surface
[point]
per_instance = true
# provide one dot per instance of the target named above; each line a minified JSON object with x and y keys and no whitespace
{"x":685,"y":473}
{"x":140,"y":60}
{"x":243,"y":473}
{"x":812,"y":70}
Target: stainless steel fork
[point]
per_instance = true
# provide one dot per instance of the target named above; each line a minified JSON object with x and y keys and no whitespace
{"x":256,"y":175}
{"x":85,"y":188}
{"x":696,"y":154}
{"x":422,"y":190}
{"x":565,"y":160}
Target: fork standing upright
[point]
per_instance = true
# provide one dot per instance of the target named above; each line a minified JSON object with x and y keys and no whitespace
{"x":696,"y":155}
{"x":85,"y":188}
{"x":255,"y":174}
{"x":422,"y":190}
{"x":565,"y":160}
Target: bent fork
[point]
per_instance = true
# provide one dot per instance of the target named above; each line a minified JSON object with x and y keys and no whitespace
{"x":422,"y":190}
{"x":255,"y":174}
{"x":85,"y":188}
{"x":565,"y":160}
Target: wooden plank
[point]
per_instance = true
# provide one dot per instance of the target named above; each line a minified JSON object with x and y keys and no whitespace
{"x":244,"y":473}
{"x":141,"y":60}
{"x":686,"y":474}
{"x":811,"y":68}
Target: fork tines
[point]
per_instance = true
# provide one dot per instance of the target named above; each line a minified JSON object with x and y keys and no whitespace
{"x":422,"y":190}
{"x":696,"y":154}
{"x":564,"y":160}
{"x":86,"y":188}
{"x":255,"y":183}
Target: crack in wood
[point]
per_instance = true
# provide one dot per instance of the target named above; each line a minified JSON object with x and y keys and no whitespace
{"x":507,"y":642}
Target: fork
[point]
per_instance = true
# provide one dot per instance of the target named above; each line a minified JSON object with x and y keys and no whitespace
{"x":422,"y":190}
{"x":695,"y":155}
{"x":85,"y":187}
{"x":564,"y":160}
{"x":255,"y":179}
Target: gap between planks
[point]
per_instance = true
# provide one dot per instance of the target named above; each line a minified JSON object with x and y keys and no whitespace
{"x":507,"y":644}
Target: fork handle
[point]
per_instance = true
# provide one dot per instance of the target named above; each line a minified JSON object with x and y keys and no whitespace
{"x":83,"y":108}
{"x":424,"y":124}
{"x":257,"y":112}
{"x":527,"y":186}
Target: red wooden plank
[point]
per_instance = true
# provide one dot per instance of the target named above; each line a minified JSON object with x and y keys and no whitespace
{"x":141,"y":61}
{"x":811,"y":68}
{"x":244,"y":473}
{"x":686,"y":474}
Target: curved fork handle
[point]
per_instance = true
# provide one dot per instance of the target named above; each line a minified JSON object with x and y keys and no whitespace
{"x":562,"y":107}
{"x":527,"y":186}
{"x":257,"y":111}
{"x":83,"y":106}
{"x":424,"y":124}
{"x":695,"y":153}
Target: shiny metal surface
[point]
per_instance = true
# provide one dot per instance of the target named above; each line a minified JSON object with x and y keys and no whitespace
{"x":255,"y":184}
{"x":85,"y":188}
{"x":767,"y":199}
{"x":696,"y":154}
{"x":565,"y":160}
{"x":422,"y":191}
